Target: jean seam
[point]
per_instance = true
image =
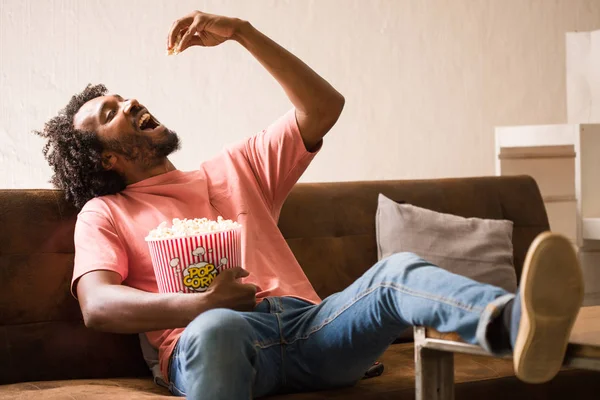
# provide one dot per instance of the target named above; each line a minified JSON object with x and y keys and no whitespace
{"x":391,"y":285}
{"x":175,"y":358}
{"x":281,"y":341}
{"x":268,"y":300}
{"x":179,"y":392}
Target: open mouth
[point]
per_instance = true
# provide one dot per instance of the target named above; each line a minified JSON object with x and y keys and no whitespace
{"x":145,"y":121}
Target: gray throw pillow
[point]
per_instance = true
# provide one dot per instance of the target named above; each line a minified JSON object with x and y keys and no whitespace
{"x":480,"y":249}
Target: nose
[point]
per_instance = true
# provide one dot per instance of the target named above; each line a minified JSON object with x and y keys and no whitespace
{"x":129,"y":104}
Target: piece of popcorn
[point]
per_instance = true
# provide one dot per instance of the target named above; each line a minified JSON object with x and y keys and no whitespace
{"x":175,"y":49}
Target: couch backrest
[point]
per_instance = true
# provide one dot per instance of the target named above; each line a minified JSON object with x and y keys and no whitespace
{"x":329,"y":226}
{"x":42,"y":336}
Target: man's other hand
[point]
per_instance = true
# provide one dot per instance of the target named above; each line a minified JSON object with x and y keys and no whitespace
{"x":227,"y":291}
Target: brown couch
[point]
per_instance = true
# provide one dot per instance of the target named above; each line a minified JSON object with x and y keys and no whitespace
{"x":331,"y":229}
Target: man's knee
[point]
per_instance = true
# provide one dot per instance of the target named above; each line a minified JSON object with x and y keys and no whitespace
{"x":216,"y":331}
{"x":404,"y":257}
{"x":401,"y":261}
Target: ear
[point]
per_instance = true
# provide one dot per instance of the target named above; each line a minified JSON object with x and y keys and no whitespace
{"x":109,"y":160}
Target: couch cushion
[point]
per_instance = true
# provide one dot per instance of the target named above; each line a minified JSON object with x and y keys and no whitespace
{"x":480,"y":249}
{"x":475,"y":377}
{"x":88,"y":389}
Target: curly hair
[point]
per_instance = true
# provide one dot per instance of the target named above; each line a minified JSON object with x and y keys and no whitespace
{"x":76,"y":155}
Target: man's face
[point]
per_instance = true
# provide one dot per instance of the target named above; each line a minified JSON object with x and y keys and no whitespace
{"x":127,"y":128}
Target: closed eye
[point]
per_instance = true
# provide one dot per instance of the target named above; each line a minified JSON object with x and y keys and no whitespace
{"x":110,"y":115}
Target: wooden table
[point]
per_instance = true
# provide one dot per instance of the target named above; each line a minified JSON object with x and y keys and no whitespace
{"x":434,"y":360}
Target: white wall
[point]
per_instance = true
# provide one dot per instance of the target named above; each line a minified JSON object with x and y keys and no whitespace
{"x":425,"y":80}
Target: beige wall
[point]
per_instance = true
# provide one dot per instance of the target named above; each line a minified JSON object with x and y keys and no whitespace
{"x":425,"y":80}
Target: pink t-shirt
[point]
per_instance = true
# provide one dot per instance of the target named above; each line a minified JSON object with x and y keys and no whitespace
{"x":247,"y":182}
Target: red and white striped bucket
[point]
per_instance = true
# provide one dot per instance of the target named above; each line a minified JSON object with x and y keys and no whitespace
{"x":190,"y":264}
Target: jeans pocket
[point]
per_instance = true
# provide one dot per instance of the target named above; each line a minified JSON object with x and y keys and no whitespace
{"x":273,"y":305}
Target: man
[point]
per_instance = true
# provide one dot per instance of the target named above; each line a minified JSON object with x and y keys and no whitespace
{"x":268,"y":332}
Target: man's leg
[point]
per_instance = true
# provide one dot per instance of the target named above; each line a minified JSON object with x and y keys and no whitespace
{"x":225,"y":354}
{"x":333,"y":343}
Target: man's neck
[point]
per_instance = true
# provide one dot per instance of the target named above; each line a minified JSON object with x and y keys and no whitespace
{"x":135,"y":175}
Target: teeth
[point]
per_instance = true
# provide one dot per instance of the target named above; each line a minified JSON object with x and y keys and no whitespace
{"x":143,"y":120}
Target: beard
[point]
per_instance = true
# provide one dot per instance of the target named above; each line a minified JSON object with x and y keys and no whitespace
{"x":145,"y":150}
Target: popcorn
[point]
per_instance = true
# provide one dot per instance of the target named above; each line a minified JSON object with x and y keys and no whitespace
{"x":191,"y":227}
{"x":175,"y":49}
{"x":188,"y":254}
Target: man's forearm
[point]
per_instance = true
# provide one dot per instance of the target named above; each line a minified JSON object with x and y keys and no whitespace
{"x":305,"y":88}
{"x":310,"y":94}
{"x":122,"y":309}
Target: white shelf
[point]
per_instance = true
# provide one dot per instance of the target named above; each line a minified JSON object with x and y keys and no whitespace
{"x":536,"y":135}
{"x":591,"y":228}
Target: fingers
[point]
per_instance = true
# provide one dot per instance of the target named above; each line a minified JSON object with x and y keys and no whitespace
{"x":184,"y":43}
{"x":194,"y":40}
{"x":251,"y":288}
{"x":176,"y":28}
{"x":258,"y":288}
{"x":234,"y":273}
{"x":240,"y":272}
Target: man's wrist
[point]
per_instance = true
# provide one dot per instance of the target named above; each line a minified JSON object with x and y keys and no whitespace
{"x":188,"y":305}
{"x":242,"y":30}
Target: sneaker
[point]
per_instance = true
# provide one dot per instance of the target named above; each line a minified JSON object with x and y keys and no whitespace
{"x":545,"y":308}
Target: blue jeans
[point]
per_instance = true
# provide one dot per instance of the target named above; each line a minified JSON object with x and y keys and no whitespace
{"x":288,"y":345}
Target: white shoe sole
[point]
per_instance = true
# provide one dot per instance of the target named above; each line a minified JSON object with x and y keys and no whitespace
{"x":551,"y":295}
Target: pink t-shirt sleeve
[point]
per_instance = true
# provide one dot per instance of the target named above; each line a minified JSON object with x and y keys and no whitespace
{"x":278,"y":158}
{"x":97,"y":247}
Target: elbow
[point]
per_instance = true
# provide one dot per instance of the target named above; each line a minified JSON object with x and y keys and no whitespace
{"x":92,"y":317}
{"x":90,"y":321}
{"x":331,"y":110}
{"x":342,"y":101}
{"x":337,"y":104}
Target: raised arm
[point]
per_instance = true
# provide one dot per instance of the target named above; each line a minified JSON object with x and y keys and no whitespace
{"x":318,"y":105}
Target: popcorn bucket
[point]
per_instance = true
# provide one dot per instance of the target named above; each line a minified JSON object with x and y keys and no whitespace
{"x":190,"y":264}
